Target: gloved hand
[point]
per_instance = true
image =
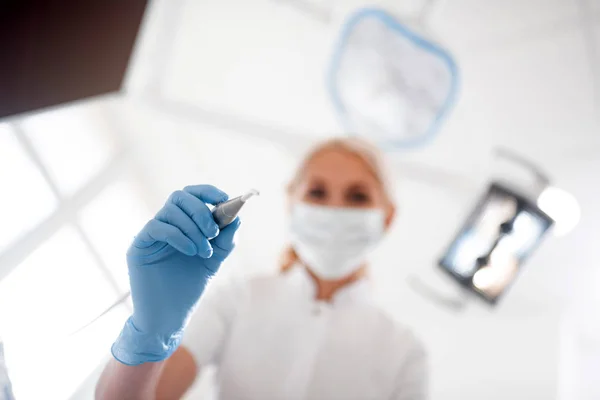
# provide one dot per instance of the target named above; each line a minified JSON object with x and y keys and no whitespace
{"x":170,"y":262}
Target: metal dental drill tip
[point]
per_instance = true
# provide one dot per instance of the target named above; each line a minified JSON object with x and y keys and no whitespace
{"x":226,"y":212}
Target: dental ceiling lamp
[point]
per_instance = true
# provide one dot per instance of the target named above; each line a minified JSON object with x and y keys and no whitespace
{"x":390,"y":80}
{"x":507,"y":224}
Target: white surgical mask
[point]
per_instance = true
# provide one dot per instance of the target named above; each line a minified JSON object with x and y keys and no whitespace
{"x":334,"y":242}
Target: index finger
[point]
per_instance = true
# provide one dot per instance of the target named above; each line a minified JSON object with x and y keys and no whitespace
{"x":207,"y":193}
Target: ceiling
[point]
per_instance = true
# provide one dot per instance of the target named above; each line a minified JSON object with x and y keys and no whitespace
{"x":526,"y":71}
{"x":528,"y":80}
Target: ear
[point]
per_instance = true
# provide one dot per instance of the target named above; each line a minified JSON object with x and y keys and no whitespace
{"x":389,"y":216}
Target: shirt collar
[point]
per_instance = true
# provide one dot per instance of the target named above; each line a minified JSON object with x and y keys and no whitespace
{"x":358,"y":291}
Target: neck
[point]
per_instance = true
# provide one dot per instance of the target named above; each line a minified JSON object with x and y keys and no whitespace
{"x":326,"y":289}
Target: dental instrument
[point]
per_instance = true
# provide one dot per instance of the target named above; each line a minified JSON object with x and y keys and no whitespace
{"x":224,"y":213}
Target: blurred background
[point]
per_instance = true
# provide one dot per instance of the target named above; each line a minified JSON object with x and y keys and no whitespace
{"x":231,"y":93}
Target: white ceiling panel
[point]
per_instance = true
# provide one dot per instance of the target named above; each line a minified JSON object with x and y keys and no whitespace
{"x":262,"y":60}
{"x":539,"y":96}
{"x":404,"y":8}
{"x":339,"y":8}
{"x":480,"y":24}
{"x":536,"y":98}
{"x":597,"y":43}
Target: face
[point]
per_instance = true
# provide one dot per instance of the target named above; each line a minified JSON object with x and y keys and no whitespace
{"x":336,"y":178}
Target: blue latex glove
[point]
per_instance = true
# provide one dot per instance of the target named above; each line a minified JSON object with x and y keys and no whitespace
{"x":170,"y":262}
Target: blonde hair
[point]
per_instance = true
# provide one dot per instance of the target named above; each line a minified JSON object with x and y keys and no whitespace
{"x":371,"y":156}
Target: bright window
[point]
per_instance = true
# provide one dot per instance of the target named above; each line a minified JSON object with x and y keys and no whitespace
{"x":69,"y":208}
{"x":26,"y":198}
{"x":72,"y":143}
{"x":111,"y":221}
{"x":50,"y":295}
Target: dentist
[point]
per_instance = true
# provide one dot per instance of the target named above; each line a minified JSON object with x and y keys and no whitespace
{"x":310,"y":331}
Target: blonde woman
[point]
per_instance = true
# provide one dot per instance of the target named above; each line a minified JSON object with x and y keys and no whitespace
{"x":308,"y":332}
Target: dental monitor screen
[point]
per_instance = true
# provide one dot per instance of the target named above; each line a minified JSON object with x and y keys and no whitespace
{"x":500,"y":234}
{"x":56,"y":52}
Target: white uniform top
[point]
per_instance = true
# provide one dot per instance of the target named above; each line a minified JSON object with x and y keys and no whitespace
{"x":270,"y":339}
